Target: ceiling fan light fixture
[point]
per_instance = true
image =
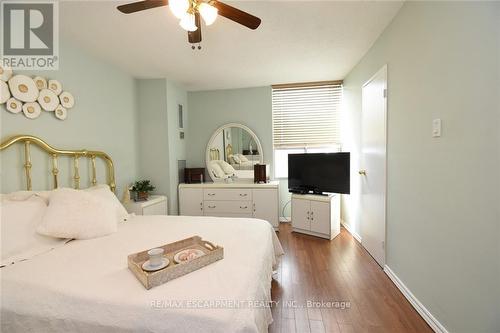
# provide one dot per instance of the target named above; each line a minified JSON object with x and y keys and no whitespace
{"x":208,"y":12}
{"x":188,"y":22}
{"x":179,"y":7}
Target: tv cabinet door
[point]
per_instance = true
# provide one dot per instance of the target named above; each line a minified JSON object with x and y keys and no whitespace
{"x":300,"y":214}
{"x":320,"y":217}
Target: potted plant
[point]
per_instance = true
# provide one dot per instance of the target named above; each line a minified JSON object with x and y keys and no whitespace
{"x":141,"y":189}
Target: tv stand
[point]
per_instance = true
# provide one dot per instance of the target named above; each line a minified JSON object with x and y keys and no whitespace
{"x":316,"y":215}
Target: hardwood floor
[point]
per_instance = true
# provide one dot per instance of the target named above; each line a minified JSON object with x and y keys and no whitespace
{"x":340,"y":270}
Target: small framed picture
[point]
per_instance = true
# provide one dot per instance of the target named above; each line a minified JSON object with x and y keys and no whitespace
{"x":181,"y":116}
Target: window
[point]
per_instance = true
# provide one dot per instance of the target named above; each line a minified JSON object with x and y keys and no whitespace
{"x":306,"y":119}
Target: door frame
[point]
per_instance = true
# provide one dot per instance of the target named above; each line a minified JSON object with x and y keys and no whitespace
{"x":386,"y":95}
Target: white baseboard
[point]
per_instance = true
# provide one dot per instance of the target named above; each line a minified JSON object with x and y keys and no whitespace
{"x":421,"y":309}
{"x":351,"y":231}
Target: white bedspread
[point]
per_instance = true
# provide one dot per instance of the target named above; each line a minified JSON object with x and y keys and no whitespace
{"x":86,"y":286}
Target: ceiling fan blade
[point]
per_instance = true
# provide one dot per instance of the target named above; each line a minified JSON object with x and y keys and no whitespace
{"x":194,"y":37}
{"x":237,"y":15}
{"x":141,"y":5}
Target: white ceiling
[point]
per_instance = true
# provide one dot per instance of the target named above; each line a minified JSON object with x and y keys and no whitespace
{"x":298,"y":41}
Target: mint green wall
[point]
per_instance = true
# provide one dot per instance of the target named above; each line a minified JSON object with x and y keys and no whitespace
{"x":443,"y":215}
{"x":103,"y":119}
{"x":209,"y":110}
{"x":158,"y":135}
{"x":153,"y":157}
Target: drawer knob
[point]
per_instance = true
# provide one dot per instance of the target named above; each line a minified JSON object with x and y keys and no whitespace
{"x":243,"y":207}
{"x":211,"y":206}
{"x":211,"y":194}
{"x":243,"y":194}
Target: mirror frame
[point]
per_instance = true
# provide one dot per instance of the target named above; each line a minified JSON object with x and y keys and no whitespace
{"x":223,"y":127}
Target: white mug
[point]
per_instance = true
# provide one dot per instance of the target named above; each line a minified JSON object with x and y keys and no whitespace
{"x":155,"y":256}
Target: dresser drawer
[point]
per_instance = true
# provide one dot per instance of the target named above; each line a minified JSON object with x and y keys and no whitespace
{"x":227,"y":194}
{"x":238,"y":207}
{"x":244,"y":215}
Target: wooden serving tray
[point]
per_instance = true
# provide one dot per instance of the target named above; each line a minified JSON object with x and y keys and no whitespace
{"x":174,"y":270}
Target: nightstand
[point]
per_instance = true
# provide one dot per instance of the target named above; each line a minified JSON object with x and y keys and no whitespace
{"x":155,"y":205}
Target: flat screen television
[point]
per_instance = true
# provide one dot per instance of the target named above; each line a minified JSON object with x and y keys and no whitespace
{"x":319,"y":172}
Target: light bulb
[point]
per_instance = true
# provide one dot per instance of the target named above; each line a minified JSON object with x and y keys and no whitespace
{"x":208,"y":12}
{"x":178,"y":7}
{"x":188,"y":22}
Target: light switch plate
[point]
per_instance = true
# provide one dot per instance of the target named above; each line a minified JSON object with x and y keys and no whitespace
{"x":436,"y":128}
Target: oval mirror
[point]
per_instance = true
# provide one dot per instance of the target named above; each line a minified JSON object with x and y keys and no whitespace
{"x":232,"y":151}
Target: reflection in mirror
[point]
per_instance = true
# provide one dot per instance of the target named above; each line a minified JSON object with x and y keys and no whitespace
{"x":235,"y":149}
{"x":240,"y":149}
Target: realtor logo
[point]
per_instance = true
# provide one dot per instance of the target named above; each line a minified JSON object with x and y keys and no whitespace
{"x":30,"y":35}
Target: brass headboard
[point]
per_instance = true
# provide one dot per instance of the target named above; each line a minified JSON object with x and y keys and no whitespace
{"x":76,"y":154}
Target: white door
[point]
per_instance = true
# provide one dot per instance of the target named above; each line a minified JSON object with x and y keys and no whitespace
{"x":320,"y":217}
{"x":373,"y":165}
{"x":265,"y":205}
{"x":191,"y":201}
{"x":300,"y":213}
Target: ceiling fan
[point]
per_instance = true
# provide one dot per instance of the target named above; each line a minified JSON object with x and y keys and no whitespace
{"x":190,"y":13}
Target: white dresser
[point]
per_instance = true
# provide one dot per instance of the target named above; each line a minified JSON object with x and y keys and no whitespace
{"x":316,"y":215}
{"x":231,"y":200}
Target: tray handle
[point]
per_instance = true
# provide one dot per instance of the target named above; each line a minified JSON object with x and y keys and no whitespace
{"x":209,"y":245}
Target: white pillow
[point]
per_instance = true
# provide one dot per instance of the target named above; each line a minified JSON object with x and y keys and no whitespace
{"x":243,"y":158}
{"x":236,"y":159}
{"x":104,"y":193}
{"x":227,"y":168}
{"x":78,"y":214}
{"x":216,"y":170}
{"x":18,"y":222}
{"x":25,"y":195}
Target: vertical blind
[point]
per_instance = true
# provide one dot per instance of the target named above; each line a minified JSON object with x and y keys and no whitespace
{"x":306,"y":115}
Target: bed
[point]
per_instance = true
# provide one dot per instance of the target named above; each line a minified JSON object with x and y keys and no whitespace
{"x":85,"y":285}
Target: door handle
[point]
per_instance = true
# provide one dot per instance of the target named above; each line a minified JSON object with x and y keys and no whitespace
{"x":362,"y":172}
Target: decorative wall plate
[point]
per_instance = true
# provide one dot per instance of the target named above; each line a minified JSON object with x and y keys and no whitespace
{"x":67,"y":100}
{"x":4,"y":92}
{"x":55,"y":86}
{"x":5,"y":73}
{"x":40,"y":82}
{"x":23,"y":88}
{"x":32,"y":110}
{"x":13,"y":105}
{"x":48,"y":100}
{"x":61,"y":112}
